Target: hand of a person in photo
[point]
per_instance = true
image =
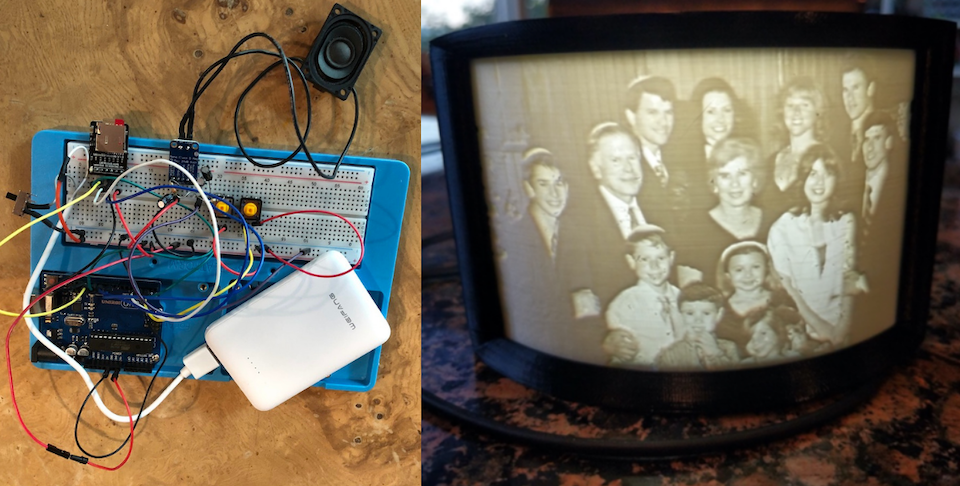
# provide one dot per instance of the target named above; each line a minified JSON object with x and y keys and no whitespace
{"x":620,"y":344}
{"x":787,"y":283}
{"x":585,"y":304}
{"x":706,"y":343}
{"x":688,"y":275}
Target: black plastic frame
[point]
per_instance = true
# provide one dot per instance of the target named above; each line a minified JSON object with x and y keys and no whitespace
{"x":705,"y":392}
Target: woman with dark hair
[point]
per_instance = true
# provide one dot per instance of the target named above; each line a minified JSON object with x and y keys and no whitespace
{"x":716,"y":114}
{"x":801,"y":116}
{"x":735,"y":175}
{"x":721,"y":113}
{"x":812,"y":247}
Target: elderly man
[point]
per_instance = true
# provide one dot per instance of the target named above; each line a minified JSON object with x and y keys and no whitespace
{"x":594,"y":232}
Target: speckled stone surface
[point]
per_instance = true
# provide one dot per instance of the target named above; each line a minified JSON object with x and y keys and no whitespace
{"x":908,"y":433}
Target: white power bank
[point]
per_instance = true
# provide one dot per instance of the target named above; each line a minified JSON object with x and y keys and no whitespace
{"x":297,"y":332}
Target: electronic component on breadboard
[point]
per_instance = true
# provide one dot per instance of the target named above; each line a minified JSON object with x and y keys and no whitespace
{"x":108,"y":148}
{"x":291,"y":187}
{"x":251,"y":209}
{"x":185,"y":153}
{"x":224,"y":219}
{"x":99,"y":331}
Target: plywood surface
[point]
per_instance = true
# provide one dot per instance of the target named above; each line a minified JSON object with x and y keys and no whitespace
{"x":66,"y":63}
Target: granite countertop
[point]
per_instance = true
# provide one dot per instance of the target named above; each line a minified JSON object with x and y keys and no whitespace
{"x":907,"y":433}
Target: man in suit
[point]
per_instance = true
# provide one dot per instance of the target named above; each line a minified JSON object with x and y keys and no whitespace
{"x":594,"y":233}
{"x":881,"y":217}
{"x":545,"y":186}
{"x":885,"y":171}
{"x":649,"y":111}
{"x":544,"y":320}
{"x":858,"y":90}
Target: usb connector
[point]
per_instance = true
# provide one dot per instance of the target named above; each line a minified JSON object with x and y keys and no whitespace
{"x":199,"y":362}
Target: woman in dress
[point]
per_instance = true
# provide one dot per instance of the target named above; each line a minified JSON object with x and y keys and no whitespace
{"x":735,"y":176}
{"x":812,"y":248}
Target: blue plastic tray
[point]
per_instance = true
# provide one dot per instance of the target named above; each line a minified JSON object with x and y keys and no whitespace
{"x":382,"y":238}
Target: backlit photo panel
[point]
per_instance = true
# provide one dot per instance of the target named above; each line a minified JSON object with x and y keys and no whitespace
{"x":696,"y":210}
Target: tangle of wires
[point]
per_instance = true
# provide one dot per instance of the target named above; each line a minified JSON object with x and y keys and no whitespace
{"x":146,"y":395}
{"x":187,"y":121}
{"x":33,"y":209}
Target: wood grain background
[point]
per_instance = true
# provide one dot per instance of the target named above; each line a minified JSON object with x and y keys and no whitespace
{"x":63,"y":64}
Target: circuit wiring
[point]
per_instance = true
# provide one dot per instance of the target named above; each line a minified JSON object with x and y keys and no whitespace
{"x":67,"y":313}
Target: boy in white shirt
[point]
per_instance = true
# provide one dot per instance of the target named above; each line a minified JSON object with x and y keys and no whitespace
{"x":641,"y":319}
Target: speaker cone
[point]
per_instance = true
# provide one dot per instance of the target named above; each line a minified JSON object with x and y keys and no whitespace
{"x":340,"y":51}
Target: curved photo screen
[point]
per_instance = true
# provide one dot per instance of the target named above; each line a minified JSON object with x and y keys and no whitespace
{"x":691,"y":210}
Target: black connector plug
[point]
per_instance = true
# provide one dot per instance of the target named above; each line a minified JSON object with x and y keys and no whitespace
{"x":56,"y":450}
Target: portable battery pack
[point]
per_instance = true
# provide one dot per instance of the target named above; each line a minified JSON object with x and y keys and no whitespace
{"x":297,"y":332}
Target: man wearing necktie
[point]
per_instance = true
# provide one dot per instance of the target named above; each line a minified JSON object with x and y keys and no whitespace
{"x":529,"y":268}
{"x":881,"y":208}
{"x":858,"y":90}
{"x":594,"y":232}
{"x":649,"y":111}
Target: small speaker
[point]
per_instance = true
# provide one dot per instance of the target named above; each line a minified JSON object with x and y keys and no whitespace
{"x":340,"y":51}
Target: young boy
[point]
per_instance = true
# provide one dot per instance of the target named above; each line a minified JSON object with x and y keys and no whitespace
{"x":641,"y":319}
{"x":701,"y":308}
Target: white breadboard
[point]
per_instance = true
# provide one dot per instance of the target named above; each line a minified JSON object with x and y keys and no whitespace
{"x":293,"y":186}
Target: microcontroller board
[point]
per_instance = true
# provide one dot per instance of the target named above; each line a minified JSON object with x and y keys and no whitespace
{"x":100,"y":330}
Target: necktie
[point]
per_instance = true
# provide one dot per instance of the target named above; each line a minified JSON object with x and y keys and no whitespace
{"x":855,"y":144}
{"x":634,"y":222}
{"x":867,"y":210}
{"x":665,"y":310}
{"x":553,"y":244}
{"x":661,"y":172}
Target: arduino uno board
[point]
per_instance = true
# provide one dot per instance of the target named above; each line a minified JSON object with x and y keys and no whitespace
{"x":99,"y":330}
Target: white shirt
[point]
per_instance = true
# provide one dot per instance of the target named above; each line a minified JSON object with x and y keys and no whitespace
{"x":793,"y":255}
{"x":621,"y":211}
{"x":648,"y":315}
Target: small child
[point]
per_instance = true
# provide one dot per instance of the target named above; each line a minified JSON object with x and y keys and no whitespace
{"x":701,"y":308}
{"x":768,"y":338}
{"x":641,"y":319}
{"x":745,"y":277}
{"x":800,"y":344}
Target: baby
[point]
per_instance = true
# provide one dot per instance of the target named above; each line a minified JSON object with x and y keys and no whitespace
{"x":701,"y":308}
{"x":768,"y":338}
{"x":799,"y":343}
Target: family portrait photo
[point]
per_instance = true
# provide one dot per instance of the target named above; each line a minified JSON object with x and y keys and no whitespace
{"x":701,"y":209}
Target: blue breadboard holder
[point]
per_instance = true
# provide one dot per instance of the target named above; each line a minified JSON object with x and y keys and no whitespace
{"x":381,"y":240}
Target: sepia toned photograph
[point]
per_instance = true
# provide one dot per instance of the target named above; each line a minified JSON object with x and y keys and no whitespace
{"x":696,"y":210}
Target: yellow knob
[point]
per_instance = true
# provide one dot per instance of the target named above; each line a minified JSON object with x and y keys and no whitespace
{"x":249,"y":209}
{"x":223,"y":206}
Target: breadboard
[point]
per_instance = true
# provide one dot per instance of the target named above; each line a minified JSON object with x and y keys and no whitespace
{"x":291,"y":187}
